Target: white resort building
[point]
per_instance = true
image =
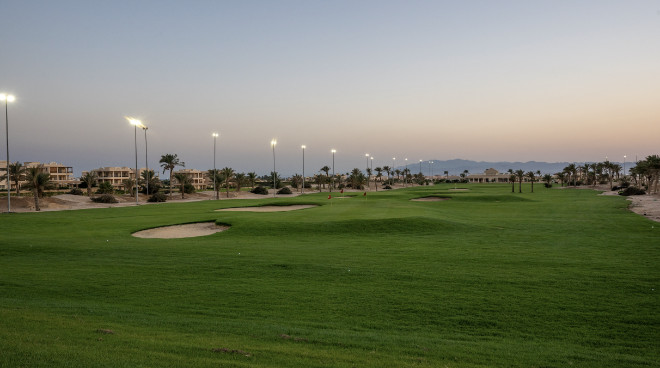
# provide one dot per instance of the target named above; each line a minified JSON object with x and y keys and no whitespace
{"x":197,"y":178}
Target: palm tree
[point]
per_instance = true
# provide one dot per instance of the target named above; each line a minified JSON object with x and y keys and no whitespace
{"x":398,"y":173}
{"x":129,"y":185}
{"x":318,"y":179}
{"x":183,"y":180}
{"x":387,"y":171}
{"x":296,"y":181}
{"x":512,"y":179}
{"x":239,"y":180}
{"x":357,"y":179}
{"x":561,"y":176}
{"x":521,"y":175}
{"x":369,"y":173}
{"x":379,"y":175}
{"x":148,"y":179}
{"x":532,"y":178}
{"x":547,"y":179}
{"x":215,"y":173}
{"x":37,"y":181}
{"x":169,"y":162}
{"x":252,"y":177}
{"x":90,"y":179}
{"x":228,"y":174}
{"x":17,"y":173}
{"x":326,"y":169}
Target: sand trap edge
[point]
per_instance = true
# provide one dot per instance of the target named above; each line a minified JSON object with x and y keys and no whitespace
{"x":181,"y":231}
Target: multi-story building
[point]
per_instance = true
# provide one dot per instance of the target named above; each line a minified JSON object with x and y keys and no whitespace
{"x":197,"y":178}
{"x":60,"y":175}
{"x":114,"y":175}
{"x":489,"y":176}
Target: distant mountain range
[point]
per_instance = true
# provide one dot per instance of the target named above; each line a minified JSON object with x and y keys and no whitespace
{"x":457,"y":166}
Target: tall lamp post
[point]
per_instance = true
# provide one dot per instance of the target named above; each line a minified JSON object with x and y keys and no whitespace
{"x":273,"y":143}
{"x":405,"y":181}
{"x":624,"y":166}
{"x":215,"y":190}
{"x":7,"y":99}
{"x":367,"y":155}
{"x":372,"y":163}
{"x":333,"y":169}
{"x":431,"y":170}
{"x":136,"y":123}
{"x":302,"y":190}
{"x":420,"y":166}
{"x":146,"y":158}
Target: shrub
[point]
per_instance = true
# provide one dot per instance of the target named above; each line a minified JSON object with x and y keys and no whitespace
{"x":284,"y":190}
{"x":157,"y":197}
{"x":76,"y":191}
{"x":106,"y":198}
{"x":105,"y":188}
{"x":632,"y":191}
{"x":308,"y":185}
{"x":259,"y":190}
{"x":547,"y":185}
{"x":188,"y":188}
{"x":387,"y":187}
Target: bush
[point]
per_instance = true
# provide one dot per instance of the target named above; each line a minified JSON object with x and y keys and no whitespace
{"x":284,"y":190}
{"x":259,"y":190}
{"x":157,"y":197}
{"x":547,"y":185}
{"x":632,"y":191}
{"x":76,"y":191}
{"x":106,"y":198}
{"x":308,"y":185}
{"x":188,"y":188}
{"x":105,"y":188}
{"x":387,"y":187}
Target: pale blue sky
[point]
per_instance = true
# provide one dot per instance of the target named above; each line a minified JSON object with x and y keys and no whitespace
{"x":482,"y":80}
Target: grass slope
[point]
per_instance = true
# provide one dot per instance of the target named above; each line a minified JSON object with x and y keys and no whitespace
{"x":488,"y":278}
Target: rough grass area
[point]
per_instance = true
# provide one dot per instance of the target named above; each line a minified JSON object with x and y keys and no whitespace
{"x":490,"y":278}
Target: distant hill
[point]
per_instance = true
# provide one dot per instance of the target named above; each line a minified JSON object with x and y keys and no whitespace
{"x":457,"y":166}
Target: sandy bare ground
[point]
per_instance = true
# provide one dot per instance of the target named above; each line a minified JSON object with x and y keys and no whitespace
{"x":181,"y":231}
{"x":646,"y":205}
{"x":268,"y":208}
{"x":430,"y":199}
{"x":64,"y":202}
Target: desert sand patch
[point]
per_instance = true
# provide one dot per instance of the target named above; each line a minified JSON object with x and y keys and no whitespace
{"x":430,"y":199}
{"x":181,"y":231}
{"x":269,"y":208}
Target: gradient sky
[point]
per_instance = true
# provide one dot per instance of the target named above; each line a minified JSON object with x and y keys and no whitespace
{"x":481,"y":80}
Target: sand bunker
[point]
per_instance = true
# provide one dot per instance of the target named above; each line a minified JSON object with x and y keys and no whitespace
{"x":430,"y":199}
{"x":181,"y":231}
{"x":459,"y":189}
{"x":269,"y":208}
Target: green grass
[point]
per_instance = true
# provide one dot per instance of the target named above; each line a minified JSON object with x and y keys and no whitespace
{"x":489,"y":278}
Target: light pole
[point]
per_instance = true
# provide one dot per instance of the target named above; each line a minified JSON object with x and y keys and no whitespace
{"x":7,"y":99}
{"x":146,"y":158}
{"x":431,"y":170}
{"x":135,"y":123}
{"x":405,"y":180}
{"x":624,"y":166}
{"x":272,"y":144}
{"x":372,"y":163}
{"x":333,"y":169}
{"x":367,"y":155}
{"x":215,"y":190}
{"x":302,"y":190}
{"x":420,"y":166}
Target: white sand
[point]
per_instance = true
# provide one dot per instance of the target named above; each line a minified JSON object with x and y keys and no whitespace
{"x":181,"y":231}
{"x":268,"y":208}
